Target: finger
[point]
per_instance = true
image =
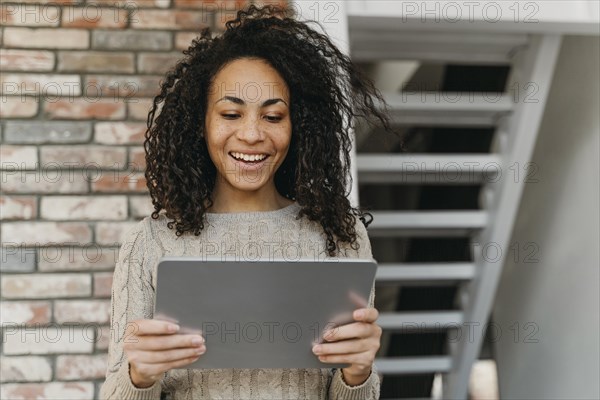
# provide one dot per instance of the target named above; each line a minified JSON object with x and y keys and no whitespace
{"x":168,"y":356}
{"x":342,"y":347}
{"x":357,"y":330}
{"x":156,"y":370}
{"x":368,"y":315}
{"x":165,"y":342}
{"x":355,"y":358}
{"x":151,"y":327}
{"x":182,"y":363}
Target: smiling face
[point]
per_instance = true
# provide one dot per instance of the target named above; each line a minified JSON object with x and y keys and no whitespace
{"x":248,"y":133}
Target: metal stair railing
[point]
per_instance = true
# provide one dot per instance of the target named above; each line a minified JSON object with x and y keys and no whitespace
{"x":516,"y":137}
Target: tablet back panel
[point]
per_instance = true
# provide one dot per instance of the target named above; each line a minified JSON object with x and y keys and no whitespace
{"x":261,"y":314}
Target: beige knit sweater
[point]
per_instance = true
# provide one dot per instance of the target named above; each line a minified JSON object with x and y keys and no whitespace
{"x":278,"y":234}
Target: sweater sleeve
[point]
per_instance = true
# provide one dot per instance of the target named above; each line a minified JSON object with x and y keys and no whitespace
{"x":370,"y":389}
{"x":131,"y":299}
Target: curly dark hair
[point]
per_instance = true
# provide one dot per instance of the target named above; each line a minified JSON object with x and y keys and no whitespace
{"x":327,"y":92}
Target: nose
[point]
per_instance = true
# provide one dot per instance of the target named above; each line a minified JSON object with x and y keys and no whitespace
{"x":251,"y":131}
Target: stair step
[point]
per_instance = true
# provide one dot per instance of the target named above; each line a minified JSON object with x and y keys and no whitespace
{"x":420,"y":320}
{"x":371,"y":44}
{"x":466,"y":48}
{"x":443,"y":169}
{"x":392,"y":272}
{"x":400,"y":18}
{"x":408,"y":365}
{"x":447,"y":108}
{"x":426,"y":223}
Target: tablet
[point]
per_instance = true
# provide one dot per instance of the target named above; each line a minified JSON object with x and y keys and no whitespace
{"x":261,"y":314}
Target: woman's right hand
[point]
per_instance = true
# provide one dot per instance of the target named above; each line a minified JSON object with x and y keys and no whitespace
{"x":152,"y":348}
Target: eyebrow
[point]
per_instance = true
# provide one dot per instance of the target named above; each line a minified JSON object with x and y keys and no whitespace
{"x":239,"y":101}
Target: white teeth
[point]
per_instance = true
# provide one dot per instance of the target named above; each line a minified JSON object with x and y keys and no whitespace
{"x":248,"y":157}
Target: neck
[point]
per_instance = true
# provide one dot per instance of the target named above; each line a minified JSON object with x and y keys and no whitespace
{"x":225,"y":201}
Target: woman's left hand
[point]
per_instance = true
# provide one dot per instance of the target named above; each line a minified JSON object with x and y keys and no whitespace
{"x":355,"y":343}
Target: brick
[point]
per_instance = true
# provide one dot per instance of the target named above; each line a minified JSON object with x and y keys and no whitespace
{"x":46,"y":233}
{"x":17,"y":207}
{"x":25,"y":369}
{"x":40,"y":84}
{"x":109,"y":233}
{"x":78,"y":156}
{"x":157,"y":63}
{"x":36,"y":286}
{"x":137,"y":158}
{"x":131,"y":40}
{"x":18,"y":106}
{"x":183,"y":40}
{"x":73,"y":368}
{"x":84,"y":311}
{"x":39,"y":286}
{"x":133,"y":4}
{"x":119,"y":132}
{"x":20,"y":157}
{"x":51,"y":390}
{"x":26,"y":60}
{"x":29,"y":15}
{"x":140,"y":206}
{"x":103,"y":284}
{"x":44,"y":181}
{"x":41,"y":132}
{"x":46,"y":38}
{"x":15,"y":258}
{"x":189,"y":4}
{"x":170,"y":19}
{"x":53,"y":2}
{"x":95,"y":61}
{"x":91,"y":16}
{"x":122,"y":86}
{"x":122,"y":181}
{"x":84,"y":208}
{"x":85,"y":108}
{"x":139,"y":109}
{"x":77,"y":258}
{"x":27,"y":313}
{"x":211,"y":5}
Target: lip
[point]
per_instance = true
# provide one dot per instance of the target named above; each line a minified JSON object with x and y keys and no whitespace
{"x":249,"y":167}
{"x":250,"y":153}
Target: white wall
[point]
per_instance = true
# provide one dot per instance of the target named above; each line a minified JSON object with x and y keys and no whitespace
{"x":560,"y":213}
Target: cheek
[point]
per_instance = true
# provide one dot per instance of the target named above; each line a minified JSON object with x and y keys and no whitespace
{"x":215,"y":139}
{"x":284,"y":138}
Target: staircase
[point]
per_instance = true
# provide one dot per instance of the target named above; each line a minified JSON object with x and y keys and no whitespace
{"x":370,"y":33}
{"x":515,"y":121}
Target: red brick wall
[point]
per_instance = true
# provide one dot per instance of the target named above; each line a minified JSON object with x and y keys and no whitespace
{"x":77,"y":80}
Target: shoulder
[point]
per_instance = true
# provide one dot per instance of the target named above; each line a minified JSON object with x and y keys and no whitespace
{"x":361,"y":248}
{"x":142,"y":231}
{"x":133,"y":238}
{"x":362,"y":235}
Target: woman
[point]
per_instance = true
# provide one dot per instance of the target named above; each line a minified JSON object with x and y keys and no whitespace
{"x":251,"y":145}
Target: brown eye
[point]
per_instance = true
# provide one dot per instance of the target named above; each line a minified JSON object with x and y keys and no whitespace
{"x":273,"y":118}
{"x":229,"y":116}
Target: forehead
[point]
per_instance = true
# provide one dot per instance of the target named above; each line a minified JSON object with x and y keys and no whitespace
{"x":250,"y":80}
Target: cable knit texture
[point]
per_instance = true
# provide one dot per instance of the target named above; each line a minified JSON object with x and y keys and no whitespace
{"x":232,"y":236}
